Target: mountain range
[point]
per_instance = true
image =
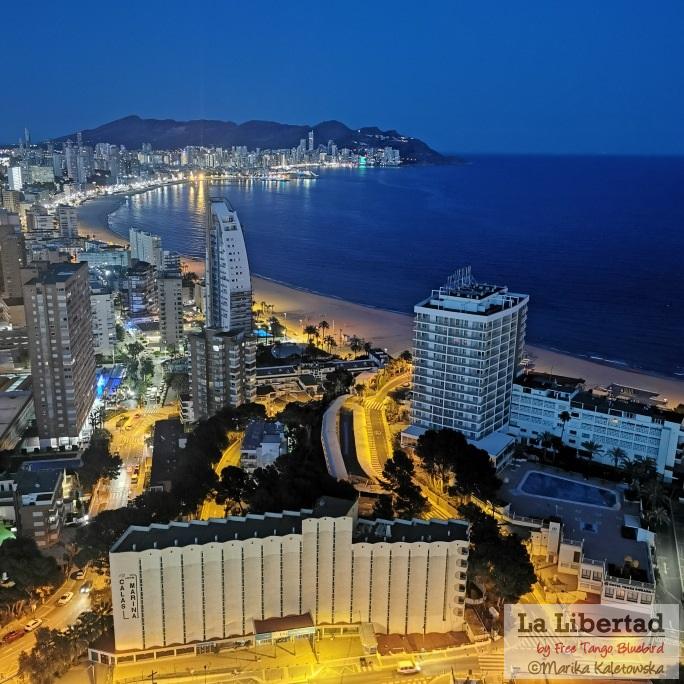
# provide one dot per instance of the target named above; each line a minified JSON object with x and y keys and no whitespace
{"x":133,"y":131}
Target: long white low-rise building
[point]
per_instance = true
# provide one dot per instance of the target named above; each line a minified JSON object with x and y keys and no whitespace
{"x":208,"y":581}
{"x":641,"y":429}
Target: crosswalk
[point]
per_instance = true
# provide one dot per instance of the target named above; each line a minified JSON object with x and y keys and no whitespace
{"x":491,"y":662}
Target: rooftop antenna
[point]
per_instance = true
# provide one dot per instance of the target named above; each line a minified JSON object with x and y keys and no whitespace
{"x":461,"y":277}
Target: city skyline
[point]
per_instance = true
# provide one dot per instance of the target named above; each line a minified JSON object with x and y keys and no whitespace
{"x":532,"y":79}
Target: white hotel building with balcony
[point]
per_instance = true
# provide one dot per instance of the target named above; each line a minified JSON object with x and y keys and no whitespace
{"x":468,"y":345}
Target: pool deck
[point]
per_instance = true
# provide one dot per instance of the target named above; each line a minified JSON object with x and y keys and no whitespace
{"x":604,"y":541}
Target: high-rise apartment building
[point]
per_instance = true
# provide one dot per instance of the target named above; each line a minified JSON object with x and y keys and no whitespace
{"x":12,"y":254}
{"x":59,"y":326}
{"x":223,"y":355}
{"x":146,"y":247}
{"x":141,"y":290}
{"x":11,"y":199}
{"x":229,"y":286}
{"x":104,"y":321}
{"x":40,"y":224}
{"x":468,"y":344}
{"x":67,"y":219}
{"x":15,"y":178}
{"x":223,"y":364}
{"x":170,"y":295}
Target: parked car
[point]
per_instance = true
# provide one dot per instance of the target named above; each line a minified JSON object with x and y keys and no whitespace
{"x":79,"y":575}
{"x":33,"y":624}
{"x":65,"y":598}
{"x":13,"y":635}
{"x":408,"y":667}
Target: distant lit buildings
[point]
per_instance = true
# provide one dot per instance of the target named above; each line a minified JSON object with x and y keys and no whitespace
{"x":204,"y":581}
{"x":59,"y":323}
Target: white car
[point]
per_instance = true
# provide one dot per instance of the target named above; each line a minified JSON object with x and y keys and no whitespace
{"x":33,"y":624}
{"x":408,"y":667}
{"x":65,"y":598}
{"x":79,"y":574}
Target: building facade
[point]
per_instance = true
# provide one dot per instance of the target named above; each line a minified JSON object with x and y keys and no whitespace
{"x":223,"y":370}
{"x":468,"y":344}
{"x":205,"y":581}
{"x":104,"y":322}
{"x":261,"y":445}
{"x":12,"y":254}
{"x":141,"y":290}
{"x":170,"y":295}
{"x":228,"y":282}
{"x":641,"y":430}
{"x":145,"y":247}
{"x":67,"y":220}
{"x":59,"y":325}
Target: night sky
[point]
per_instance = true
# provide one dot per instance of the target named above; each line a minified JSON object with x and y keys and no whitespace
{"x":539,"y":76}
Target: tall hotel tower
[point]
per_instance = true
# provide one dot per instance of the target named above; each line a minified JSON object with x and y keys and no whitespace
{"x":468,"y":345}
{"x":223,"y":355}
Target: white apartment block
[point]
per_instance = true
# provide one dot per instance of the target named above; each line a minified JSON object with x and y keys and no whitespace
{"x":468,"y":344}
{"x":641,"y":430}
{"x":104,"y":322}
{"x":146,"y":247}
{"x":207,"y":581}
{"x":67,"y":219}
{"x":263,"y":443}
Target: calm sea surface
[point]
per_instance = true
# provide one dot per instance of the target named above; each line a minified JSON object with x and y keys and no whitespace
{"x":598,"y":242}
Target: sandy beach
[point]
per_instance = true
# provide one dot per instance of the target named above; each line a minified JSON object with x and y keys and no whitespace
{"x":386,"y":329}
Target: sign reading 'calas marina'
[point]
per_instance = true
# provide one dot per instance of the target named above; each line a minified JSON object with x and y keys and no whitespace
{"x":555,"y":641}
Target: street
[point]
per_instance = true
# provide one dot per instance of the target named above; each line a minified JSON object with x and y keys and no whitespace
{"x":53,"y":616}
{"x":129,"y":441}
{"x":231,"y":456}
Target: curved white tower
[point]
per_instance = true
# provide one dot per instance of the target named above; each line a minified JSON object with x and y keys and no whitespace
{"x":229,"y":286}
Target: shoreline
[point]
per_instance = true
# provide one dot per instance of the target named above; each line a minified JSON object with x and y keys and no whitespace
{"x":387,"y":329}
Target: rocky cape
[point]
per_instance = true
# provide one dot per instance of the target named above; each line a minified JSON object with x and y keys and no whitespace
{"x":167,"y":134}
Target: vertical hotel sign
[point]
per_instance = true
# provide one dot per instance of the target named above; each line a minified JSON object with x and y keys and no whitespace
{"x":129,"y":596}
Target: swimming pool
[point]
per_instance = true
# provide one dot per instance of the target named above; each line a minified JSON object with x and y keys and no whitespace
{"x":553,"y":487}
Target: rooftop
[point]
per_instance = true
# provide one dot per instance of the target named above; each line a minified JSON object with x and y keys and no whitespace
{"x":604,"y":404}
{"x":548,"y":381}
{"x":40,"y":481}
{"x":259,"y":431}
{"x":199,"y":532}
{"x":58,"y":273}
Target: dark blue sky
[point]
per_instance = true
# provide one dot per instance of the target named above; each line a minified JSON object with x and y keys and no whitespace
{"x":599,"y":76}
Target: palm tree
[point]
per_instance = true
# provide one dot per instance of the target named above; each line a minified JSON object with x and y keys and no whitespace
{"x":355,"y":344}
{"x":618,"y":455}
{"x":311,"y":331}
{"x":657,"y":517}
{"x":330,"y":343}
{"x":564,"y":417}
{"x":592,"y":448}
{"x":323,"y":326}
{"x":547,"y":441}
